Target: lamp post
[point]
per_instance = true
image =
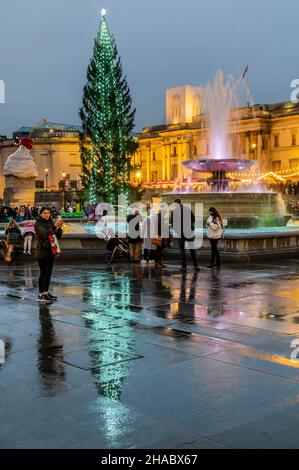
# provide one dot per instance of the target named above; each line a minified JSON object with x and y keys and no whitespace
{"x":138,"y":176}
{"x":47,"y":172}
{"x":253,"y":146}
{"x":63,"y":190}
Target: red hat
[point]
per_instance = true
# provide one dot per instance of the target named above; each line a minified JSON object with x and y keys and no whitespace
{"x":28,"y":143}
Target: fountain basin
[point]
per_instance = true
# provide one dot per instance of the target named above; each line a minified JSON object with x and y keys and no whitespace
{"x":239,"y":209}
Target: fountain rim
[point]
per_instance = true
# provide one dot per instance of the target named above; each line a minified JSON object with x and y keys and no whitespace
{"x":210,"y":165}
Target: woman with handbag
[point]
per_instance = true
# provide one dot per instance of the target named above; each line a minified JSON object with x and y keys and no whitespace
{"x":47,"y":234}
{"x":215,"y":231}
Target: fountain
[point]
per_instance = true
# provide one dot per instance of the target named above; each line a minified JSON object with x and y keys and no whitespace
{"x":240,"y":209}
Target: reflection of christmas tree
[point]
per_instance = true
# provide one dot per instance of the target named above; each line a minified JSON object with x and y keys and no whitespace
{"x":111,"y":341}
{"x":107,"y":121}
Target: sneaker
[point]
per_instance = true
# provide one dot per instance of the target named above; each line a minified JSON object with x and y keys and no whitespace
{"x":24,"y":252}
{"x":43,"y":299}
{"x":151,"y":261}
{"x":143,"y":262}
{"x":29,"y":253}
{"x":51,"y":297}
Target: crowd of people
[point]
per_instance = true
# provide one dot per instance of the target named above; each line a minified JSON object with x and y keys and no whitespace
{"x":22,"y":213}
{"x":147,"y":238}
{"x":287,"y":188}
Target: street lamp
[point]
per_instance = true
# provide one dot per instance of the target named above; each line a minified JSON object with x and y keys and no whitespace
{"x":63,"y":190}
{"x":46,"y":171}
{"x":138,"y":176}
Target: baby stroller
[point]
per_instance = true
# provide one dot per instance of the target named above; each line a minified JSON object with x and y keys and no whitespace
{"x":119,"y":248}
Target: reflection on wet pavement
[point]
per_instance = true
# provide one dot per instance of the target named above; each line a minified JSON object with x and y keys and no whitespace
{"x":135,"y":357}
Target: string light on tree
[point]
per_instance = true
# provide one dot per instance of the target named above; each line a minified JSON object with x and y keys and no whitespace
{"x":107,"y":118}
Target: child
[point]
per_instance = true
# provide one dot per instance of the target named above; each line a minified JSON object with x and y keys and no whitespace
{"x":28,"y":234}
{"x":13,"y":234}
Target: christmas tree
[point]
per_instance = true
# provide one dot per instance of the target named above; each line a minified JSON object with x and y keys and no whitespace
{"x":107,"y":118}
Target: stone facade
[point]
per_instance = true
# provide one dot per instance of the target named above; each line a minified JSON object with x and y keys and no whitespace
{"x":268,"y":134}
{"x":55,"y":150}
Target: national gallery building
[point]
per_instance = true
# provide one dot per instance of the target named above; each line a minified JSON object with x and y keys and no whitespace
{"x":266,"y":133}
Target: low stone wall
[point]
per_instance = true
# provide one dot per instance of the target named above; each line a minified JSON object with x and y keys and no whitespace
{"x":233,"y":248}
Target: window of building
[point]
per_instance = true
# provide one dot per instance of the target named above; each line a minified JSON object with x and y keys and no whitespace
{"x":234,"y":146}
{"x":154,"y":176}
{"x":174,"y":171}
{"x":276,"y":140}
{"x":39,"y":184}
{"x":73,"y":184}
{"x":154,"y":156}
{"x":276,"y":165}
{"x":294,"y":139}
{"x":293,"y":163}
{"x":195,"y":150}
{"x":174,"y":152}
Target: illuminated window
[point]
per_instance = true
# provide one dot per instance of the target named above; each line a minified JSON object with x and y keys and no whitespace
{"x":276,"y":140}
{"x":294,"y":139}
{"x":276,"y":165}
{"x":174,"y":171}
{"x":154,"y":176}
{"x":293,"y":163}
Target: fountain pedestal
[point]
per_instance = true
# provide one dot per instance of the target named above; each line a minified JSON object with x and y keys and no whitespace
{"x":19,"y":191}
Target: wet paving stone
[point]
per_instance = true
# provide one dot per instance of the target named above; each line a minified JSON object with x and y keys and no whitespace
{"x":134,"y":357}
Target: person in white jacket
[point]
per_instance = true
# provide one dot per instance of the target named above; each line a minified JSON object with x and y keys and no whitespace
{"x":149,"y":250}
{"x":215,"y":230}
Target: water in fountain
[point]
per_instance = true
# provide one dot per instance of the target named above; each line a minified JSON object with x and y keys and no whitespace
{"x":242,"y":208}
{"x":219,"y":98}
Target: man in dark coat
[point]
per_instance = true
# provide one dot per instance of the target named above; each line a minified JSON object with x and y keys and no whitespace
{"x":183,"y":224}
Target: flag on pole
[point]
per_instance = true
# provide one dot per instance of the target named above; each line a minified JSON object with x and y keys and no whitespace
{"x":245,"y":72}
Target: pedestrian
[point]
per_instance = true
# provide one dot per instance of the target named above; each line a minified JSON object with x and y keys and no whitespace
{"x":46,"y":231}
{"x":183,"y":225}
{"x":14,"y":235}
{"x":28,"y":213}
{"x":28,"y":234}
{"x":134,"y":239}
{"x":149,"y":249}
{"x":215,"y":231}
{"x":160,"y":239}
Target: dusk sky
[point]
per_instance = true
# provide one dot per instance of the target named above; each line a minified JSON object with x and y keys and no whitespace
{"x":45,"y":47}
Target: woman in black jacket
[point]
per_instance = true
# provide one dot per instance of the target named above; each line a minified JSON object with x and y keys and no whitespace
{"x":44,"y":227}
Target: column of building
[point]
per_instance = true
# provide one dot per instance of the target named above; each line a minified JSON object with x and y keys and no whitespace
{"x":164,"y":158}
{"x":148,"y":162}
{"x":180,"y":157}
{"x":247,"y":145}
{"x":259,"y":148}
